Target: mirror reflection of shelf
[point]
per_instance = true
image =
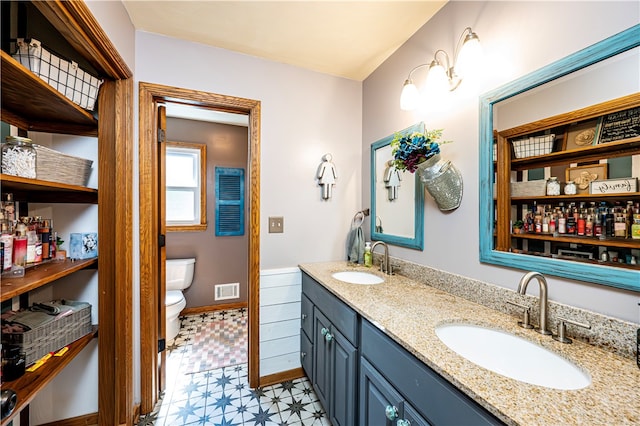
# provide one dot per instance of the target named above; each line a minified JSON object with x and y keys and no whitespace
{"x":574,"y":239}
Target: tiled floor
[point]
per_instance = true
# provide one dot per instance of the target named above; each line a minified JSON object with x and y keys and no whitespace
{"x":222,"y":396}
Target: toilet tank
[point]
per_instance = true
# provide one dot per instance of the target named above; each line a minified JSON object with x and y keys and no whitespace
{"x":179,"y":273}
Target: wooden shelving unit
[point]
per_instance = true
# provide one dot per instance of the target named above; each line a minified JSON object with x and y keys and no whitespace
{"x":27,"y":386}
{"x":507,"y":167}
{"x":42,"y":191}
{"x":39,"y":275}
{"x":31,"y":104}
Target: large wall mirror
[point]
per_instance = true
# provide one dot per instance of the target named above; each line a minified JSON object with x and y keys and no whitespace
{"x":597,"y":75}
{"x":397,"y":198}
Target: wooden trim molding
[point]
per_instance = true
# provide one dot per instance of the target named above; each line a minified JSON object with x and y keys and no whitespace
{"x":84,"y":420}
{"x":283,"y":376}
{"x":149,"y":96}
{"x":115,"y":263}
{"x":80,"y":28}
{"x":213,"y":308}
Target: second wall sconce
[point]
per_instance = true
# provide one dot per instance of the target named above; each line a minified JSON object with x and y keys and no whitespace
{"x":443,"y":74}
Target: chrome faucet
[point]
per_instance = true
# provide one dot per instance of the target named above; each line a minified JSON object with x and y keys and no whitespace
{"x":385,"y":266}
{"x":542,"y":282}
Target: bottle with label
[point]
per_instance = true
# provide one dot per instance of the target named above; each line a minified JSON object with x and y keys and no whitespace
{"x":562,"y":220}
{"x":635,"y":227}
{"x":368,"y":257}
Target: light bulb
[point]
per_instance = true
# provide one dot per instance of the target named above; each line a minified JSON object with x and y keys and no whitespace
{"x":437,"y":84}
{"x":409,"y":98}
{"x":469,"y":56}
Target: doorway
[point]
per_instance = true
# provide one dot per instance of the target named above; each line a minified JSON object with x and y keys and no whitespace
{"x":151,"y":256}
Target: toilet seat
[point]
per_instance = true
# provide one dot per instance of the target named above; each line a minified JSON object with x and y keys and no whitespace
{"x":173,"y":297}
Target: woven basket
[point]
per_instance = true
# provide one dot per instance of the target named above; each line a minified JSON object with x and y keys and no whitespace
{"x":54,"y":335}
{"x":54,"y":166}
{"x":533,"y":146}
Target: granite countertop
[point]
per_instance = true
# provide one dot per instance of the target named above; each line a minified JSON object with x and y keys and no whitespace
{"x":409,"y":312}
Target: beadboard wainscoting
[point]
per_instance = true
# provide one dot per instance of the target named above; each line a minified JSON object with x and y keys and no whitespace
{"x":280,"y":291}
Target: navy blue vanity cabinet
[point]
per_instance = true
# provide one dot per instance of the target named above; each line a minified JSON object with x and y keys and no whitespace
{"x":334,"y":343}
{"x":391,"y":376}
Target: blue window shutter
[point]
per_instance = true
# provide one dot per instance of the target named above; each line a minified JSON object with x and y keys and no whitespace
{"x":229,"y":201}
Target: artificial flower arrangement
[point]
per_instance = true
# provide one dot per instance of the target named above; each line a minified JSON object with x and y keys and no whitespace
{"x":415,"y":148}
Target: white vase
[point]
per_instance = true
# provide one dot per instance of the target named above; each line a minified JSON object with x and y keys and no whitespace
{"x":443,"y":182}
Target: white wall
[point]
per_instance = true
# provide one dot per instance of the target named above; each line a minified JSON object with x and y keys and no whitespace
{"x":304,"y":116}
{"x":518,"y":38}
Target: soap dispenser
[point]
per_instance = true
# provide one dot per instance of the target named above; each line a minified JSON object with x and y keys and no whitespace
{"x":368,"y":258}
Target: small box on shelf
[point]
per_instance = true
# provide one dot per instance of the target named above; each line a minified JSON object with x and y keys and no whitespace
{"x":83,"y":245}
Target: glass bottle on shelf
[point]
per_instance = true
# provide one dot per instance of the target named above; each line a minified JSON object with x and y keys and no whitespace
{"x":19,"y":157}
{"x":570,"y":188}
{"x":553,"y":186}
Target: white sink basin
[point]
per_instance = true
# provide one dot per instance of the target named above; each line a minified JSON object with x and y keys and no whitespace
{"x":357,"y":277}
{"x":513,"y":357}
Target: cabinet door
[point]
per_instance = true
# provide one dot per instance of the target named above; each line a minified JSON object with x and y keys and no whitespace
{"x":343,"y":390}
{"x":380,"y":403}
{"x":321,"y":358}
{"x":306,"y":316}
{"x":306,"y":356}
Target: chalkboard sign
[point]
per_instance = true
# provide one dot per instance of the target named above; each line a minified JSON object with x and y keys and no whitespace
{"x":620,"y":125}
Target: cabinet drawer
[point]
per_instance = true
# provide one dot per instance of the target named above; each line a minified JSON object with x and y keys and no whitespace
{"x":342,"y":317}
{"x":306,"y":316}
{"x":306,"y":355}
{"x":436,"y":399}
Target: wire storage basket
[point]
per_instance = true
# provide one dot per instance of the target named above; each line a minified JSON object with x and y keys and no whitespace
{"x":533,"y":146}
{"x":65,"y":76}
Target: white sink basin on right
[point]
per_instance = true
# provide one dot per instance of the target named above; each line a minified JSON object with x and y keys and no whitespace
{"x":512,"y":356}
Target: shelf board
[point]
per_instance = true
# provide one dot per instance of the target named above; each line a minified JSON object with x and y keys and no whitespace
{"x":42,"y":191}
{"x":592,"y":153}
{"x":39,"y":275}
{"x":578,"y":197}
{"x":31,"y":104}
{"x":27,"y":386}
{"x":609,"y":242}
{"x":574,"y":259}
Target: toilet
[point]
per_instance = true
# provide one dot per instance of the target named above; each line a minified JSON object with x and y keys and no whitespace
{"x":179,"y":274}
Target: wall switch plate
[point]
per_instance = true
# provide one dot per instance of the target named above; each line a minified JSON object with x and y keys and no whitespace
{"x":276,"y":224}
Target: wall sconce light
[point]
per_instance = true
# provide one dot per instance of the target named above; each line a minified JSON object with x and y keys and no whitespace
{"x":443,"y":75}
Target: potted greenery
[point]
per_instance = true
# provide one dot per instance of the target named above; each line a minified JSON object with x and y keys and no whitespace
{"x":60,"y":254}
{"x":517,"y":226}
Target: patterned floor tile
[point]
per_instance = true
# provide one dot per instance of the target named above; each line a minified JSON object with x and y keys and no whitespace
{"x":222,"y":396}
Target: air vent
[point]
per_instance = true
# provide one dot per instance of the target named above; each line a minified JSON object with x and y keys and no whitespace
{"x":227,"y":291}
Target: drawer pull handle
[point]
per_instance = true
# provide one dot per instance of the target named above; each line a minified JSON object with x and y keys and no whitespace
{"x":391,"y":412}
{"x":328,"y":337}
{"x":324,"y":331}
{"x":403,"y":422}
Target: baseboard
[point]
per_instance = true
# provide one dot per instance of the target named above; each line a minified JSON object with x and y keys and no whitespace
{"x":84,"y":420}
{"x":283,"y":376}
{"x":213,"y":308}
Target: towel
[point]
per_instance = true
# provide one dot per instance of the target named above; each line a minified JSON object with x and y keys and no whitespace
{"x":356,"y":245}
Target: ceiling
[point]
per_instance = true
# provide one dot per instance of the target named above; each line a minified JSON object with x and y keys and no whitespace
{"x":343,"y":38}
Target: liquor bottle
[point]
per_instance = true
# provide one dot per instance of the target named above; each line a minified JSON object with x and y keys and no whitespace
{"x":582,"y":221}
{"x":562,"y":220}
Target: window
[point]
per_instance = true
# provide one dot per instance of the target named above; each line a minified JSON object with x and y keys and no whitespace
{"x":229,"y":201}
{"x":185,"y":178}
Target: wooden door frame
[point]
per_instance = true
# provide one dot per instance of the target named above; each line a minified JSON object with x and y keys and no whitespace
{"x":149,"y":95}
